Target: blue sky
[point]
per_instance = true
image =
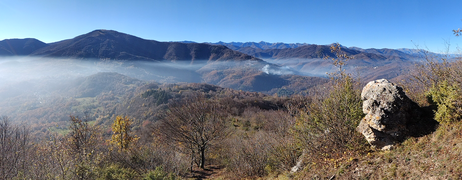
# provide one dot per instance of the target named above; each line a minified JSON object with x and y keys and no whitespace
{"x":366,"y":24}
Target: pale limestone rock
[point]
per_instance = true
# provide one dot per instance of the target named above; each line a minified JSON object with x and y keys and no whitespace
{"x":389,"y":112}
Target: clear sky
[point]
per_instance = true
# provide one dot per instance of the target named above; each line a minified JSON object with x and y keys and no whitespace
{"x":365,"y":24}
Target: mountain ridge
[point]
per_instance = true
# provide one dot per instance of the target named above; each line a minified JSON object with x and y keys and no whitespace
{"x":262,"y":48}
{"x":259,"y":45}
{"x":310,"y":51}
{"x":11,"y":47}
{"x":109,"y":44}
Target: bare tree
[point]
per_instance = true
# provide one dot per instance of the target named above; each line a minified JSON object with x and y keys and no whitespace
{"x":82,"y":137}
{"x":81,"y":143}
{"x":194,"y":123}
{"x":14,"y":147}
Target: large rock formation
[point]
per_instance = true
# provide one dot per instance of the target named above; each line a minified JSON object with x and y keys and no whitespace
{"x":390,"y":114}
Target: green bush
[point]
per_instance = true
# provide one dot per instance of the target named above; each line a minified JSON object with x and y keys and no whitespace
{"x":159,"y":174}
{"x":114,"y":172}
{"x":446,"y":98}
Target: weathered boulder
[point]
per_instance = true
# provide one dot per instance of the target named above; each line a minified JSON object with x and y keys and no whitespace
{"x":390,"y":114}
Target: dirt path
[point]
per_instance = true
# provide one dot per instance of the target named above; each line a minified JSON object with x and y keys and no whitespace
{"x":210,"y":172}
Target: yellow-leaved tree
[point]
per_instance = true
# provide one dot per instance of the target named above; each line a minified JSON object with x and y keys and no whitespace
{"x":121,"y":133}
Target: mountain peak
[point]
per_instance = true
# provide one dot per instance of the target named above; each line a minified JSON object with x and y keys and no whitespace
{"x":110,"y":44}
{"x":98,"y":32}
{"x":103,"y":32}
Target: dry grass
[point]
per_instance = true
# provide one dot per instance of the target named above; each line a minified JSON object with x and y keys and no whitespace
{"x":434,"y":156}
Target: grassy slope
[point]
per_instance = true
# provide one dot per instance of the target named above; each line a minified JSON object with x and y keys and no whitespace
{"x":434,"y":156}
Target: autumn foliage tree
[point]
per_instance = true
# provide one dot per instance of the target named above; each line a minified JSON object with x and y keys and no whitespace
{"x":121,"y":133}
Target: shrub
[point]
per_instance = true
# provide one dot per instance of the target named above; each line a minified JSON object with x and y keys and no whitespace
{"x":282,"y":156}
{"x":114,"y":172}
{"x":249,"y":156}
{"x":328,"y":125}
{"x":446,"y":98}
{"x":159,"y":174}
{"x":326,"y":128}
{"x":440,"y":81}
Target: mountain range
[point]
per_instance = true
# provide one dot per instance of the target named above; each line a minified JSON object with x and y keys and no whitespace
{"x":281,"y":50}
{"x":323,"y":51}
{"x":224,"y":64}
{"x":108,"y":44}
{"x":259,"y":45}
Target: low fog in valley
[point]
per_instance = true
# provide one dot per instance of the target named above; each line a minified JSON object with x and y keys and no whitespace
{"x":31,"y":88}
{"x":28,"y":84}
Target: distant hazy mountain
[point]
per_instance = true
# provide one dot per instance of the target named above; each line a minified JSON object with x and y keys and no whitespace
{"x":407,"y":53}
{"x":369,"y":64}
{"x":427,"y":54}
{"x":322,"y":51}
{"x":415,"y":52}
{"x":391,"y":53}
{"x":12,"y":47}
{"x":257,"y":45}
{"x":260,"y":45}
{"x":307,"y":51}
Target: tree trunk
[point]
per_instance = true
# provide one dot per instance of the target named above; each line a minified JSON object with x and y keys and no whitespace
{"x":192,"y":160}
{"x":202,"y":157}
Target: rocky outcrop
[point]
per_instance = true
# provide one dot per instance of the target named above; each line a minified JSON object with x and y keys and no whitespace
{"x":390,"y":115}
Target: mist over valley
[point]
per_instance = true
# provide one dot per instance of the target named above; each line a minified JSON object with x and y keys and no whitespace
{"x":105,"y":73}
